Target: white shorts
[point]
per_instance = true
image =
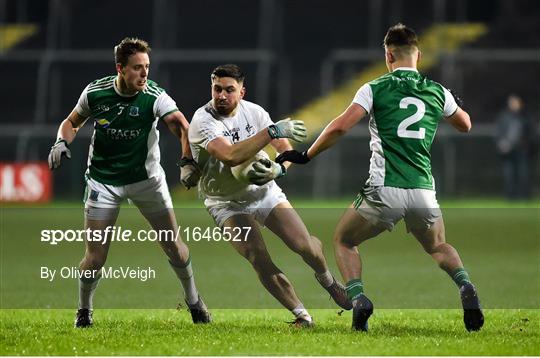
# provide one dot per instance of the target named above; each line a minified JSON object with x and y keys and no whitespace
{"x":258,"y":203}
{"x":102,"y":201}
{"x":384,"y":206}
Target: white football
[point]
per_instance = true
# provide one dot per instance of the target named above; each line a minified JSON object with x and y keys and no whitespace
{"x":240,"y":171}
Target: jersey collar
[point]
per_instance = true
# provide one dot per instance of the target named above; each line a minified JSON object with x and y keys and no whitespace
{"x":405,"y":69}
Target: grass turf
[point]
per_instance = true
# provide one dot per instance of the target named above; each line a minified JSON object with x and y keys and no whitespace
{"x":263,"y":332}
{"x":500,"y":248}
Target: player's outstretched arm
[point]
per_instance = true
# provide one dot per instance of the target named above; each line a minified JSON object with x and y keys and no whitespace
{"x":281,"y":146}
{"x":460,"y":120}
{"x":335,"y":129}
{"x":69,"y":127}
{"x":66,"y":134}
{"x":190,"y":173}
{"x":329,"y":136}
{"x":179,"y":126}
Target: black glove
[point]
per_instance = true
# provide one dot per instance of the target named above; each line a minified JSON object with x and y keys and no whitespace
{"x":293,"y":156}
{"x":457,"y":98}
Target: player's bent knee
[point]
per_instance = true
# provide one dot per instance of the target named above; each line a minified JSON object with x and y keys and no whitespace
{"x":430,"y":250}
{"x":315,"y":240}
{"x":259,"y":261}
{"x":306,"y":248}
{"x":91,"y":262}
{"x":176,"y":253}
{"x":255,"y":260}
{"x":343,"y":240}
{"x":183,"y":252}
{"x":433,"y":248}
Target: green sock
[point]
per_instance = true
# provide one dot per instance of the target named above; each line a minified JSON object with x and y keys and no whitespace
{"x":460,"y":277}
{"x":354,"y":288}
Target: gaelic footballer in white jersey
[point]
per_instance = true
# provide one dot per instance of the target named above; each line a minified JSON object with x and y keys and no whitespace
{"x":226,"y":132}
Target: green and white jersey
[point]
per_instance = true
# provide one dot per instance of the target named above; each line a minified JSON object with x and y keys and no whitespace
{"x":124,"y":147}
{"x":405,"y":109}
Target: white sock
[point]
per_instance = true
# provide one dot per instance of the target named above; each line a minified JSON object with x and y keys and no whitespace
{"x":87,"y":287}
{"x":185,"y":274}
{"x":300,"y":311}
{"x":325,"y":278}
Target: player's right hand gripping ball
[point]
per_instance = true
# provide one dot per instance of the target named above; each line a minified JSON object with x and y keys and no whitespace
{"x":293,"y":156}
{"x":288,"y":128}
{"x":190,"y":173}
{"x":59,"y":149}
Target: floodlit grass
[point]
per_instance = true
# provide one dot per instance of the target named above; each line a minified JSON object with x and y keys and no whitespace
{"x":263,"y":332}
{"x":416,"y":303}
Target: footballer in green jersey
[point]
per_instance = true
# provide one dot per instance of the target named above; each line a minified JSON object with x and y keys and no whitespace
{"x":404,"y":108}
{"x":123,"y":163}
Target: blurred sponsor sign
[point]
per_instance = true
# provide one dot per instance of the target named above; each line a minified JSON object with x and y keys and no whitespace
{"x":25,"y":182}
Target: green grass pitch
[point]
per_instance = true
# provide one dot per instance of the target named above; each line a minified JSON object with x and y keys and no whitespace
{"x":416,"y":304}
{"x":262,"y":332}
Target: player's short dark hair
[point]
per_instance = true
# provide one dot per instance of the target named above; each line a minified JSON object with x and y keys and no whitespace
{"x":400,"y":36}
{"x":127,"y":47}
{"x":229,"y":70}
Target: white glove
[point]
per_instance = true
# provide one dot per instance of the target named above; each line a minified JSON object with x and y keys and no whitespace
{"x":190,"y":173}
{"x":265,"y":170}
{"x":287,"y":128}
{"x":59,"y":149}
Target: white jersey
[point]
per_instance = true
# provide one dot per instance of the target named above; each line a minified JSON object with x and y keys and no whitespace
{"x":217,"y":180}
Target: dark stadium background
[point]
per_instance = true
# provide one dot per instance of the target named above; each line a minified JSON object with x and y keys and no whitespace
{"x":282,"y":45}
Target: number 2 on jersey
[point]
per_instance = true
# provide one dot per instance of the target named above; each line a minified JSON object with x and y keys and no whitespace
{"x":402,"y":130}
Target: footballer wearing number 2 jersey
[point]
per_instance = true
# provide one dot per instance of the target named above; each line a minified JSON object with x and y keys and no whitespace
{"x":405,"y":108}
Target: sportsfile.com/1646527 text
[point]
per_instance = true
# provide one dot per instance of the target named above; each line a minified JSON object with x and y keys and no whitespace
{"x":117,"y":233}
